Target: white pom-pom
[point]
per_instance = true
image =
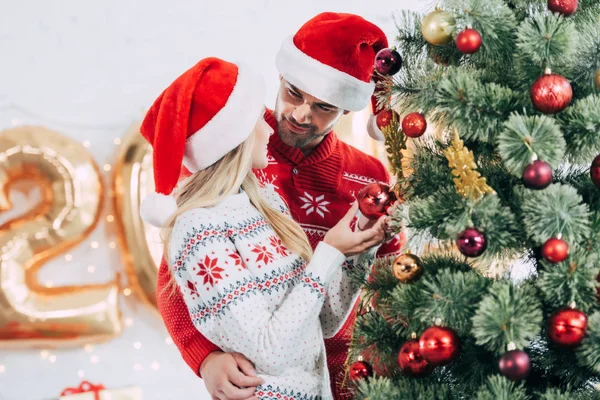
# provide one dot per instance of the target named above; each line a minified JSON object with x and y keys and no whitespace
{"x":373,"y":130}
{"x":156,"y":208}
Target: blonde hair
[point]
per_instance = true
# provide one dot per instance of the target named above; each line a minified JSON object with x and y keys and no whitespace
{"x":210,"y":186}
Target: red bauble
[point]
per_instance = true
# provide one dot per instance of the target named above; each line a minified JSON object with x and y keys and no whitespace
{"x":388,"y":62}
{"x":471,"y":242}
{"x":595,"y":171}
{"x":384,"y":118}
{"x":564,"y":7}
{"x":360,"y":370}
{"x":537,"y":175}
{"x":439,"y":345}
{"x":551,"y":93}
{"x":468,"y":41}
{"x":515,"y":365}
{"x":567,"y":327}
{"x":374,"y":200}
{"x":555,"y":250}
{"x":414,"y":125}
{"x":410,"y":360}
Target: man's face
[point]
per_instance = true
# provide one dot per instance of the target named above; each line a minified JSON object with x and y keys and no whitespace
{"x":303,"y":120}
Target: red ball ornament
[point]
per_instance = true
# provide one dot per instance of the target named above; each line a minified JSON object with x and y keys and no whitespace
{"x":374,"y":200}
{"x":567,"y":327}
{"x":471,"y":242}
{"x":411,"y":361}
{"x":439,"y":345}
{"x":555,"y":250}
{"x":551,"y":93}
{"x":360,"y":370}
{"x":468,"y":41}
{"x":537,"y":175}
{"x":388,"y":62}
{"x":515,"y":365}
{"x":564,"y":7}
{"x":384,"y":118}
{"x":595,"y":171}
{"x":414,"y":125}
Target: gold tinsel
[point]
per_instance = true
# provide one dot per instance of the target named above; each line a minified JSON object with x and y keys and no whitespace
{"x":395,"y":143}
{"x":468,"y":181}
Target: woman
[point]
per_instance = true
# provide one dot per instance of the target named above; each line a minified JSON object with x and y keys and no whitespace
{"x":239,"y":259}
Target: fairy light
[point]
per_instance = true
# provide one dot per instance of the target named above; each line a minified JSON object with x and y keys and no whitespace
{"x":88,"y":348}
{"x":112,"y":245}
{"x":110,"y":218}
{"x":107,"y":167}
{"x":52,"y":358}
{"x":86,"y":143}
{"x":168,"y":340}
{"x":69,"y":257}
{"x":49,"y":284}
{"x":81,"y":373}
{"x":155,"y":366}
{"x":137,"y":345}
{"x":44,"y":354}
{"x":91,"y":269}
{"x":117,"y":141}
{"x":128,"y":321}
{"x":137,"y":366}
{"x":126,"y":291}
{"x":94,"y":359}
{"x":95,"y":245}
{"x":2,"y":369}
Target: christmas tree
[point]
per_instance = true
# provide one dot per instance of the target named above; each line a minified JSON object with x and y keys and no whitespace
{"x":498,"y":297}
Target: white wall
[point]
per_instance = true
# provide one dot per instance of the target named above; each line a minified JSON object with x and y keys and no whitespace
{"x":88,"y":69}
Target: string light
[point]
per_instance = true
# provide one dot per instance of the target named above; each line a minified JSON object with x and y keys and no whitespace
{"x":128,"y":321}
{"x":110,"y":218}
{"x":2,"y":369}
{"x":44,"y":354}
{"x":127,"y":291}
{"x":155,"y":366}
{"x":88,"y":348}
{"x":81,"y":373}
{"x":86,"y":143}
{"x":112,"y":245}
{"x":91,"y":269}
{"x":117,"y":141}
{"x":52,"y":358}
{"x":107,"y":167}
{"x":137,"y":366}
{"x":69,"y":257}
{"x":95,"y":245}
{"x":137,"y":345}
{"x":94,"y":359}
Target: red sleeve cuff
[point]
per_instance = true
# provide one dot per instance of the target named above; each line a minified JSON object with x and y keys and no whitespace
{"x":196,"y":350}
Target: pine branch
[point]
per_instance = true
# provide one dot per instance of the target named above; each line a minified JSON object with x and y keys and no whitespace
{"x":500,"y":388}
{"x":573,"y":280}
{"x":586,"y":61}
{"x":499,"y":225}
{"x":507,"y":314}
{"x":581,"y":127}
{"x":589,"y":352}
{"x":553,"y":211}
{"x":430,"y":171}
{"x":524,"y":136}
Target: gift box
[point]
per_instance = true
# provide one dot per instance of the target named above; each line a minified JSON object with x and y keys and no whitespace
{"x":89,"y":391}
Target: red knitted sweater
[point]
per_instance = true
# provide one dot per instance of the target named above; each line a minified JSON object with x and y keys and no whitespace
{"x":319,"y":190}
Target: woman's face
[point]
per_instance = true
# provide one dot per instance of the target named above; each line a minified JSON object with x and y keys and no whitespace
{"x":262,"y":131}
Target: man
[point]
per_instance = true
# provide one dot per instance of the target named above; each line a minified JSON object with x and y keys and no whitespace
{"x":326,"y":71}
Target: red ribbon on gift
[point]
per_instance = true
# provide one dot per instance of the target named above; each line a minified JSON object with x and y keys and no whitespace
{"x":84,"y":387}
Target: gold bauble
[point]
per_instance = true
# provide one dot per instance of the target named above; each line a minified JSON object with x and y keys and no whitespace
{"x":437,"y":27}
{"x":598,"y":78}
{"x":408,"y":268}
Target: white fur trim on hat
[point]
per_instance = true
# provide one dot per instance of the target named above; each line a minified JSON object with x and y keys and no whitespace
{"x":156,"y":209}
{"x":321,"y":80}
{"x":373,"y":130}
{"x":231,"y":125}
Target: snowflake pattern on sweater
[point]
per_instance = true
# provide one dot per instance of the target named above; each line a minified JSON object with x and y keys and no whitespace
{"x":246,"y":292}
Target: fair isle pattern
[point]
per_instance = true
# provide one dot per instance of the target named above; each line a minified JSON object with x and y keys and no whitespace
{"x":316,"y":204}
{"x":356,"y":178}
{"x":246,"y":292}
{"x":276,"y":281}
{"x":268,"y":392}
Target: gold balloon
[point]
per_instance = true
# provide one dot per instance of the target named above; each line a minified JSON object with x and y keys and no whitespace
{"x":598,"y":78}
{"x":139,"y":242}
{"x":408,"y":268}
{"x":437,"y":27}
{"x":32,"y":315}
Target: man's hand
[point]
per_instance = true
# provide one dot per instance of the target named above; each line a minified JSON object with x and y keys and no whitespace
{"x":229,"y":376}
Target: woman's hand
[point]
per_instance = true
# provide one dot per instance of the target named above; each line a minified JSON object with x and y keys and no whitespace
{"x":229,"y":376}
{"x":349,"y":242}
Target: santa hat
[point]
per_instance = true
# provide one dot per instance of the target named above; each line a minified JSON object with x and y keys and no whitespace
{"x":204,"y":114}
{"x":332,"y":57}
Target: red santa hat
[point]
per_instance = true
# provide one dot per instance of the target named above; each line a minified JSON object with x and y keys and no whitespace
{"x":204,"y":114}
{"x":332,"y":57}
